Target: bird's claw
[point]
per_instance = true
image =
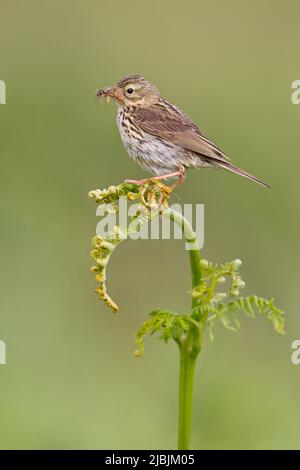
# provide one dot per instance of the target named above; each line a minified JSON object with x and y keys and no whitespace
{"x":139,"y":182}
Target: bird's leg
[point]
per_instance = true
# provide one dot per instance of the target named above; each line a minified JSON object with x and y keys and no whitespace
{"x":180,"y":173}
{"x":180,"y":179}
{"x":164,"y":189}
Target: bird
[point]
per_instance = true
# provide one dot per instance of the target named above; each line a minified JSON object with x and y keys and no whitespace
{"x":159,"y":136}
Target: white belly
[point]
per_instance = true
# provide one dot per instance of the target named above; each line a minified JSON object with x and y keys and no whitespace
{"x":149,"y":151}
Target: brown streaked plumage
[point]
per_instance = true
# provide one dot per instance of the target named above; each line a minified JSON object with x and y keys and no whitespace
{"x":161,"y":137}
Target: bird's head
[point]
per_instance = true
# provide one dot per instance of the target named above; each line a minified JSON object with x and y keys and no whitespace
{"x":131,"y":90}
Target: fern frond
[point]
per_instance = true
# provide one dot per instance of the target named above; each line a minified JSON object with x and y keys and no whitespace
{"x":170,"y":324}
{"x":266,"y":307}
{"x":210,"y":300}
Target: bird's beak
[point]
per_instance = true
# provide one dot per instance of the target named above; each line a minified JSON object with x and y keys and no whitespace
{"x":113,"y":92}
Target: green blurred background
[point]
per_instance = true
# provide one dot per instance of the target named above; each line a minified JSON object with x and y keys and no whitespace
{"x":71,"y":380}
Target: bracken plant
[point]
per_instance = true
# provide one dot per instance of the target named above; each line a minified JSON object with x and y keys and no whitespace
{"x":215,"y":293}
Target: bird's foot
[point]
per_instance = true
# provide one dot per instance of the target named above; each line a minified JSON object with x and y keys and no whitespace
{"x":154,"y":190}
{"x":181,"y":178}
{"x":139,"y":182}
{"x":180,"y":173}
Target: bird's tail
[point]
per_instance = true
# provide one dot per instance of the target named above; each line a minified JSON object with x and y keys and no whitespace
{"x":235,"y":169}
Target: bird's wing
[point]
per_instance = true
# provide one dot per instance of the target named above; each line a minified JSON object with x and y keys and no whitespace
{"x":167,"y":122}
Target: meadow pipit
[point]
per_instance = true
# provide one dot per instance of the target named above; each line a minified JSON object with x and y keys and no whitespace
{"x":159,"y":136}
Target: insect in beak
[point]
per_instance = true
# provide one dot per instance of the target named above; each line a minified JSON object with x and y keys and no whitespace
{"x":108,"y":93}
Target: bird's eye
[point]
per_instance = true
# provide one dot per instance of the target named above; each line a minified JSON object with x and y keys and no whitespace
{"x":130,"y":91}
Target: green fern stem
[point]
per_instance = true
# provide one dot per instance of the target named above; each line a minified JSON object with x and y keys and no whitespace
{"x":189,"y":342}
{"x":194,"y":254}
{"x":186,"y":385}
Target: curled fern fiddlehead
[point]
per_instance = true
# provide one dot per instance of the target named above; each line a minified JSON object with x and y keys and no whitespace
{"x":152,"y":196}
